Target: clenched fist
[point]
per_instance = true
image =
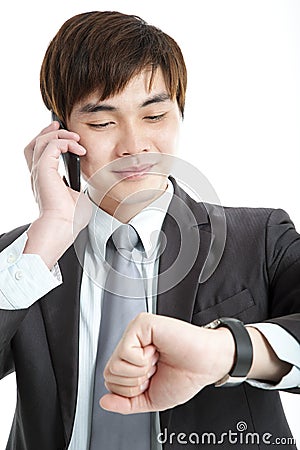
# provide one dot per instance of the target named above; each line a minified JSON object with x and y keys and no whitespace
{"x":161,"y":362}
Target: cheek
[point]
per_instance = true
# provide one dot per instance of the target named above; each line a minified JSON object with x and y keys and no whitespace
{"x":92,"y":162}
{"x":93,"y":171}
{"x":98,"y":154}
{"x":169,"y":138}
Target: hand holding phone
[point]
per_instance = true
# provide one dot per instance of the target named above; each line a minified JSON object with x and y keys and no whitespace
{"x":71,"y":162}
{"x":63,"y":212}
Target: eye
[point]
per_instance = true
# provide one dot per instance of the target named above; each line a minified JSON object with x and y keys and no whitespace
{"x":100,"y":125}
{"x":155,"y":118}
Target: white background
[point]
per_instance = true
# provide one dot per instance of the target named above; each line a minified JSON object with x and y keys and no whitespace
{"x":242,"y":121}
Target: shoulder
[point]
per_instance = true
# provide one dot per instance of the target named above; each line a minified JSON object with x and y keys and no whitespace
{"x":248,"y":217}
{"x":254,"y":225}
{"x":256,"y":218}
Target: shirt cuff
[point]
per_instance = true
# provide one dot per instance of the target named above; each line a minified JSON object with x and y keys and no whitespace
{"x":24,"y":278}
{"x":287,"y":348}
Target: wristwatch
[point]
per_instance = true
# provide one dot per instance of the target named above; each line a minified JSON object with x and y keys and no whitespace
{"x":243,"y":351}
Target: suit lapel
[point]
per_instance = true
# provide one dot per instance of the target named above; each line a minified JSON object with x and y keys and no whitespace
{"x":188,"y":241}
{"x":60,"y":309}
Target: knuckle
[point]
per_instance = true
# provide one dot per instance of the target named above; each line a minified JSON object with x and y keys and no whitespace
{"x":141,"y":380}
{"x":141,"y":315}
{"x":138,"y":319}
{"x":106,"y":373}
{"x":113,"y":368}
{"x":38,"y":140}
{"x":109,"y":386}
{"x":55,"y":141}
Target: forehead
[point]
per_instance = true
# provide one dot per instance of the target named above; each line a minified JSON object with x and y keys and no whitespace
{"x":139,"y":88}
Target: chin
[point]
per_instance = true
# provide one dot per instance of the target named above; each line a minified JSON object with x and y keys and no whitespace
{"x":131,"y":191}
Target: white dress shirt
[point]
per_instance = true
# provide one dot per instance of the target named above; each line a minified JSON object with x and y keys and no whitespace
{"x":25,"y":278}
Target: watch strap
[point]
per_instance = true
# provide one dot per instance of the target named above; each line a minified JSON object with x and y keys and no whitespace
{"x":243,"y":351}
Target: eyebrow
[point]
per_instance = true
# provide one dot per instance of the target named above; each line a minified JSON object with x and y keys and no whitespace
{"x":96,"y":107}
{"x":158,"y":98}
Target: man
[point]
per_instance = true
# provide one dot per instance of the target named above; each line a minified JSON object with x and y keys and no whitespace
{"x":117,"y":86}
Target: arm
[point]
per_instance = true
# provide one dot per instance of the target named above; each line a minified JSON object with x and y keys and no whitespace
{"x":191,"y":357}
{"x":23,"y":280}
{"x":266,"y":364}
{"x":283,"y":268}
{"x":186,"y":358}
{"x":287,"y":349}
{"x":47,"y":238}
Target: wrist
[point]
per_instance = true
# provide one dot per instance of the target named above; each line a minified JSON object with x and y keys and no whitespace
{"x":243,"y":350}
{"x":226,"y":351}
{"x":221,"y":353}
{"x":49,"y":238}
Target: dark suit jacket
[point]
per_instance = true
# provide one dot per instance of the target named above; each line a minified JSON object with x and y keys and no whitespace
{"x":257,"y":279}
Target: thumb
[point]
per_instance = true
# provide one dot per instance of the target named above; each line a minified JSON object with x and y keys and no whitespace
{"x":124,"y":405}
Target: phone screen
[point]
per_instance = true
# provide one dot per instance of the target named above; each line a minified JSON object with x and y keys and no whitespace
{"x":71,"y":162}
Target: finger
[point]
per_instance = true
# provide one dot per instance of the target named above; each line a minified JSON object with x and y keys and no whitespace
{"x":60,"y":143}
{"x":125,"y":381}
{"x":127,"y":391}
{"x":54,"y":149}
{"x":29,"y":148}
{"x":130,"y":381}
{"x":42,"y":141}
{"x":130,"y":350}
{"x":120,"y":367}
{"x":55,"y":125}
{"x":35,"y":148}
{"x":57,"y":134}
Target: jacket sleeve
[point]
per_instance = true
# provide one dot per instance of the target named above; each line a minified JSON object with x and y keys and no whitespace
{"x":283,"y":256}
{"x":283,"y":261}
{"x":9,"y":320}
{"x":23,"y":280}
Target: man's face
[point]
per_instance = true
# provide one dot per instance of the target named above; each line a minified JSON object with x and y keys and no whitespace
{"x":126,"y":137}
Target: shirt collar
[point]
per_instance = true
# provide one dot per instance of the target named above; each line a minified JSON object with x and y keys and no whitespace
{"x":147,"y":223}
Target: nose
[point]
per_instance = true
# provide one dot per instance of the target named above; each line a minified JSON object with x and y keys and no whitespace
{"x":132,"y":140}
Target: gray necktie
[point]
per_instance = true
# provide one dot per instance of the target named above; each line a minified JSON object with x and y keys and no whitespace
{"x":123,"y":299}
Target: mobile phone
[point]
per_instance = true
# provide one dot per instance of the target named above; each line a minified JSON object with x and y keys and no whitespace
{"x":71,"y":162}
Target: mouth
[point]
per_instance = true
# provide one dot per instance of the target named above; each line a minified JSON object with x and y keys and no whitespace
{"x":134,"y":171}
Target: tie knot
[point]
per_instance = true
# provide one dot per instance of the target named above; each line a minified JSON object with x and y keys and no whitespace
{"x":125,"y":237}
